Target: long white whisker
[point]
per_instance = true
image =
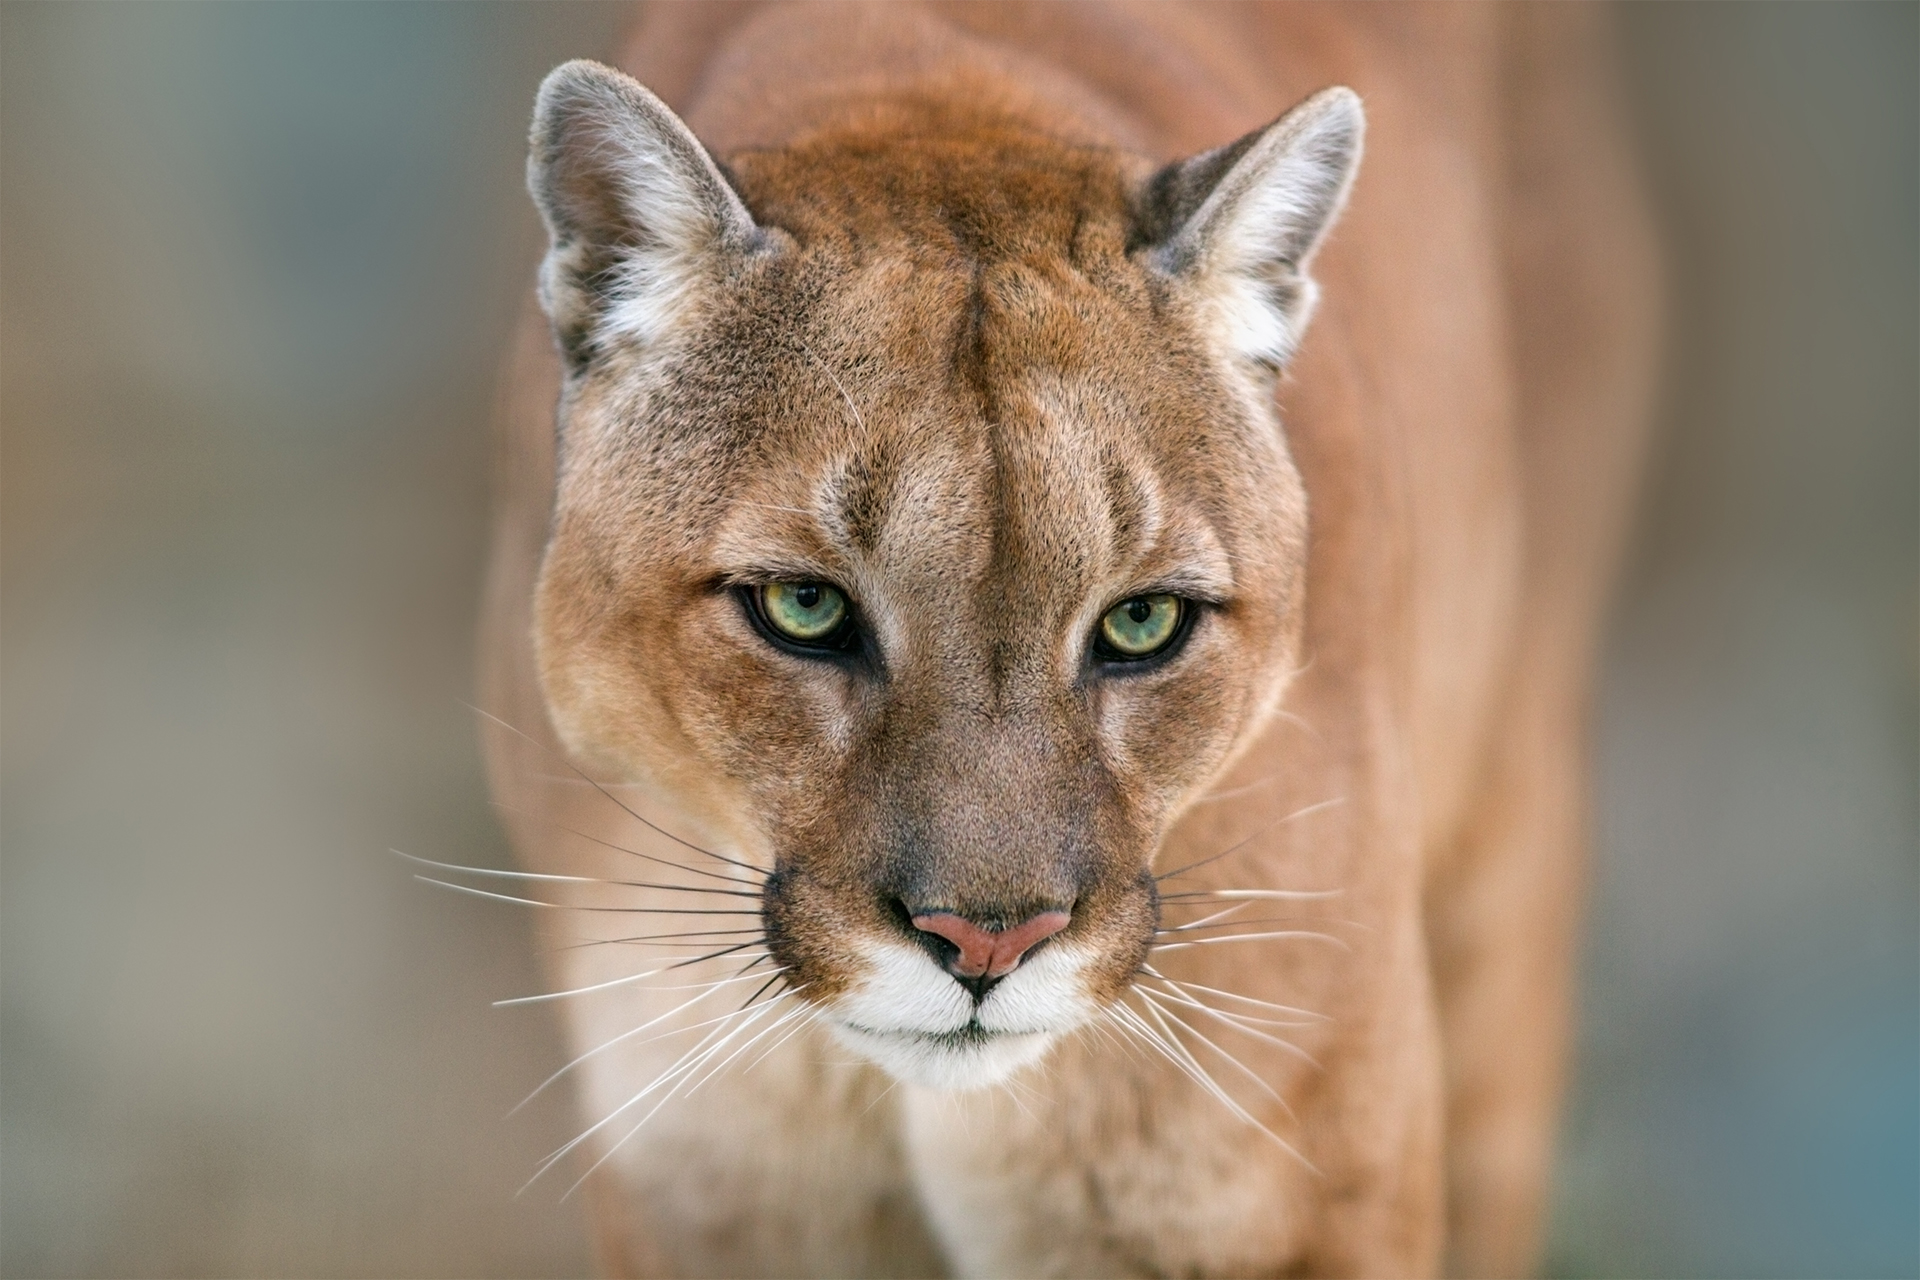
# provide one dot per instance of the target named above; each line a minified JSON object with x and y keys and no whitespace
{"x":1230,"y":924}
{"x":483,"y":893}
{"x":560,"y":1153}
{"x":1229,"y":1020}
{"x":534,"y":875}
{"x":1278,"y":895}
{"x":622,"y":805}
{"x":1176,"y":1053}
{"x":706,"y":989}
{"x":1239,"y":1021}
{"x":812,"y":1017}
{"x":1254,"y":937}
{"x":620,"y":982}
{"x":634,"y":853}
{"x":684,"y":1076}
{"x":1189,"y":985}
{"x":709,"y":1044}
{"x":1232,"y":1061}
{"x":492,"y":871}
{"x":568,"y":906}
{"x":1214,"y":796}
{"x":1250,"y":837}
{"x":1160,"y":1017}
{"x":1228,"y":913}
{"x":579,"y":991}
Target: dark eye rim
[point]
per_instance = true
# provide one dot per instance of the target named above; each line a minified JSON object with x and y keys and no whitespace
{"x":1106,"y":656}
{"x":842,"y":642}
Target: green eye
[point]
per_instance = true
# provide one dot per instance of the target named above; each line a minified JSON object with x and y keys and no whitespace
{"x":804,"y":612}
{"x":1140,"y":627}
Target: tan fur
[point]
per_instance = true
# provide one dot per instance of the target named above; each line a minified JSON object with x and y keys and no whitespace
{"x":940,"y":342}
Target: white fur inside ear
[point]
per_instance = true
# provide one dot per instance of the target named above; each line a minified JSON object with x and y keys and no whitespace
{"x":656,"y":276}
{"x":638,"y":213}
{"x":1248,"y":321}
{"x":1246,"y":249}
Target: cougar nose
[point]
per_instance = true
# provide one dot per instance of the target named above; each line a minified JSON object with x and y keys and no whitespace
{"x":989,"y":953}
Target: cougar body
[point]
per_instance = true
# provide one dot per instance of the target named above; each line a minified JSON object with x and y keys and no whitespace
{"x":1244,"y":955}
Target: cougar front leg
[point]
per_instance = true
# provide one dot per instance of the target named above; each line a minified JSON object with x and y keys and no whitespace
{"x":1505,"y":926}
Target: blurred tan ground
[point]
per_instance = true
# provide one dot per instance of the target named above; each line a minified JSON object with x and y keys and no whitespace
{"x":256,"y":266}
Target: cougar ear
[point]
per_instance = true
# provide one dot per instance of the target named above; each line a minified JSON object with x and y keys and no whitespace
{"x":1240,"y":224}
{"x":638,"y":216}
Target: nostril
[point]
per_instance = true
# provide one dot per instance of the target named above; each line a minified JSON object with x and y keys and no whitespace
{"x":974,"y":944}
{"x":989,"y":953}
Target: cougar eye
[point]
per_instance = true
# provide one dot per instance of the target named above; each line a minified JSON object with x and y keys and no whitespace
{"x":1140,"y":627}
{"x":811,"y":614}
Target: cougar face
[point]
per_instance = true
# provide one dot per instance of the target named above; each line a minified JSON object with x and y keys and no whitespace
{"x":924,"y":529}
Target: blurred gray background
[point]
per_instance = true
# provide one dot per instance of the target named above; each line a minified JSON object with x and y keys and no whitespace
{"x":257,"y":266}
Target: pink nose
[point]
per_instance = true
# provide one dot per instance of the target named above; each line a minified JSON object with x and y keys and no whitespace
{"x":987,"y":952}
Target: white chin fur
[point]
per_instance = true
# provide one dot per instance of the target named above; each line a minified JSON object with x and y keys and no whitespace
{"x":958,"y":1062}
{"x":919,"y":1025}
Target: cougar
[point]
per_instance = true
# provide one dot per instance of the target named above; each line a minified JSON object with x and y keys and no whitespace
{"x":1039,"y":667}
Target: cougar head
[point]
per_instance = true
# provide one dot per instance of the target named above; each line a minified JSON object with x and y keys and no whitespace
{"x":924,"y":525}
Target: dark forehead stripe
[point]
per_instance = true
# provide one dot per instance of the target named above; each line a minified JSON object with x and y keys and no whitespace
{"x":861,"y":495}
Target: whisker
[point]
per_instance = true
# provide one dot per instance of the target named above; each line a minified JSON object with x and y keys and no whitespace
{"x":1253,"y":937}
{"x":1176,"y":1053}
{"x":658,"y":937}
{"x":696,"y":940}
{"x":1275,"y":894}
{"x":555,"y":1156}
{"x":1160,"y":1017}
{"x":708,"y":989}
{"x":1210,"y":923}
{"x":578,"y":991}
{"x":567,"y":906}
{"x":1243,"y":1021}
{"x":1236,"y":1022}
{"x":623,"y":884}
{"x":1278,"y":822}
{"x":762,"y":991}
{"x":597,"y":786}
{"x":641,"y":939}
{"x":490,"y":871}
{"x":1234,"y":995}
{"x":1232,"y":1061}
{"x":621,"y":848}
{"x":813,"y":1016}
{"x":1213,"y":796}
{"x":714,"y":955}
{"x":1223,"y":915}
{"x":878,"y":1098}
{"x":685,"y":1075}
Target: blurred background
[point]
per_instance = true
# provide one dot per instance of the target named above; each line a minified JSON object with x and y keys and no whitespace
{"x":257,"y":268}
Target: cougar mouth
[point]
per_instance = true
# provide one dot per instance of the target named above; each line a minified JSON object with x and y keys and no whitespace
{"x":913,"y":1019}
{"x":971,"y":1057}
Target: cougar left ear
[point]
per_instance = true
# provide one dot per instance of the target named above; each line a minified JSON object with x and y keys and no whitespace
{"x":639,"y":217}
{"x":1240,"y":224}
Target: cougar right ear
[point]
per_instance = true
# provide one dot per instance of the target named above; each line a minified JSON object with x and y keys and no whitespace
{"x":638,"y":216}
{"x":1238,"y":226}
